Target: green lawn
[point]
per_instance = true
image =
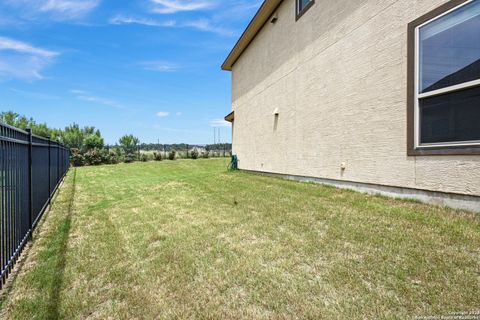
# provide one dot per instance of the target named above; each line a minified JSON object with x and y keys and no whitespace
{"x":187,"y":239}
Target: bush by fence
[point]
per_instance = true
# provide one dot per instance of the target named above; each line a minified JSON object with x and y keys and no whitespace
{"x":31,"y":169}
{"x":189,"y":152}
{"x":118,"y":154}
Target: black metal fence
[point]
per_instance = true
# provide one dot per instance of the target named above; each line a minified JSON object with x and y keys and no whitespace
{"x":31,"y":169}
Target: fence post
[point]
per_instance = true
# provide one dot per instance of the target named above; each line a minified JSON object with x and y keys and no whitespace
{"x":49,"y":172}
{"x":58,"y":163}
{"x":30,"y":183}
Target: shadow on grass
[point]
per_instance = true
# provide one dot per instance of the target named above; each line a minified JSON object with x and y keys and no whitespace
{"x":52,"y":258}
{"x":63,"y":232}
{"x":8,"y":286}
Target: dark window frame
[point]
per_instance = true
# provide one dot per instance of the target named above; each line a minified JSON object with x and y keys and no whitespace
{"x":299,"y":13}
{"x":412,"y":150}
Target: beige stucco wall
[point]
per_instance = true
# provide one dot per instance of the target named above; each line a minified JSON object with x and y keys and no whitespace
{"x":338,"y":79}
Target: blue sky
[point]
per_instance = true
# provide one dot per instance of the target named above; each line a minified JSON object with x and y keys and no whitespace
{"x":146,"y":67}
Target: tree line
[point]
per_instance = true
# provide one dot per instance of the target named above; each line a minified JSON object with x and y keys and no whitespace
{"x":88,"y":147}
{"x":184,"y":146}
{"x":86,"y":143}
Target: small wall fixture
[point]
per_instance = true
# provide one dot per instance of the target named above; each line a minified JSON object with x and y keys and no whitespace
{"x":275,"y":112}
{"x":274,"y":18}
{"x":343,"y":166}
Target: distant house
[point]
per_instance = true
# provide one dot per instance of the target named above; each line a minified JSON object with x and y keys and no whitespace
{"x":375,"y":95}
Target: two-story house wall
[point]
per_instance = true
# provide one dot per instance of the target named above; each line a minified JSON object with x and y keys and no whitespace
{"x":375,"y":95}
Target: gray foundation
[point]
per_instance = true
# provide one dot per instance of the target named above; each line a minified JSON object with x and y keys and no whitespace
{"x":452,"y":200}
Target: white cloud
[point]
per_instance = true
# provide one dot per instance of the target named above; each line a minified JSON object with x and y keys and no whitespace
{"x":159,"y":66}
{"x":69,"y":8}
{"x":120,"y":19}
{"x":34,"y":95}
{"x":202,"y":25}
{"x":219,"y":123}
{"x":76,"y":91}
{"x":86,"y":96}
{"x":23,"y":47}
{"x":174,"y":6}
{"x":22,"y":60}
{"x":163,"y":114}
{"x":207,"y":26}
{"x":178,"y":114}
{"x":55,"y":9}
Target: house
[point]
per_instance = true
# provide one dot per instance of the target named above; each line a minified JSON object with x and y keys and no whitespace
{"x":381,"y":96}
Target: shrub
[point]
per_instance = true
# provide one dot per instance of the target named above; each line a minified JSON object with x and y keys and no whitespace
{"x":194,"y":154}
{"x":144,"y":157}
{"x":206,"y":154}
{"x":113,"y":157}
{"x":97,"y":157}
{"x":130,"y":157}
{"x":77,"y":159}
{"x":94,"y":157}
{"x":172,"y":154}
{"x":157,"y":156}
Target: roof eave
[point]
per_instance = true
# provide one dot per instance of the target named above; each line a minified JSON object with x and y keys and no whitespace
{"x":266,"y":10}
{"x":230,"y":117}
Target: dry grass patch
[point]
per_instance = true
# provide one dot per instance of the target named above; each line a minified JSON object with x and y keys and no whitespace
{"x":187,"y":239}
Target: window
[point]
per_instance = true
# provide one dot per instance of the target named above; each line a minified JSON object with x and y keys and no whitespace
{"x":303,"y":6}
{"x":444,"y":89}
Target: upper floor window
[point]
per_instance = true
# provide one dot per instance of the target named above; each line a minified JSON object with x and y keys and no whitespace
{"x":303,"y":6}
{"x":446,"y":74}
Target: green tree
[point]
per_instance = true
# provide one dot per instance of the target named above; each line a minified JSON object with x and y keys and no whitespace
{"x":83,"y":139}
{"x":14,"y":119}
{"x":72,"y":136}
{"x":93,"y":141}
{"x":129,"y":143}
{"x":41,"y":130}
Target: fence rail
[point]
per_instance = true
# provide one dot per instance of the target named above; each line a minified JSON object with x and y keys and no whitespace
{"x":31,"y":169}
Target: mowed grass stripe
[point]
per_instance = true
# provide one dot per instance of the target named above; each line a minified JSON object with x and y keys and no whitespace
{"x":188,"y":239}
